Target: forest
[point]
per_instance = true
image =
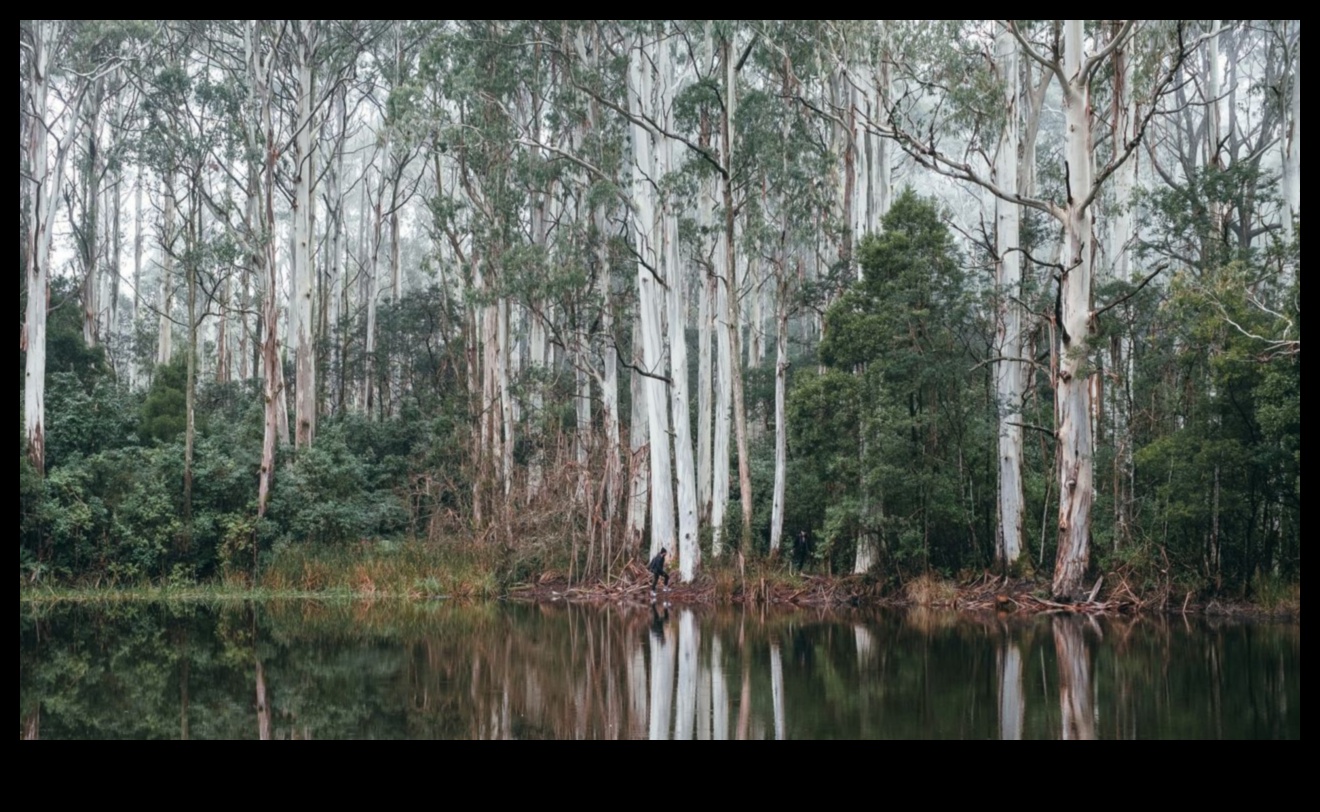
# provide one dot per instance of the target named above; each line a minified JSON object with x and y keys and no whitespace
{"x":516,"y":298}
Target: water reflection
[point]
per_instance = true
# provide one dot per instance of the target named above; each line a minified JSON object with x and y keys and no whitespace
{"x":1076,"y":706}
{"x":1012,"y":706}
{"x":314,"y":670}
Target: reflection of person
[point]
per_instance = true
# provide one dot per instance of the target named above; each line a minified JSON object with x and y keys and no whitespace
{"x":658,"y":622}
{"x":657,"y":568}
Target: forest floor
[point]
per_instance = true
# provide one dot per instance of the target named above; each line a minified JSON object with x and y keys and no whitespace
{"x":985,"y":592}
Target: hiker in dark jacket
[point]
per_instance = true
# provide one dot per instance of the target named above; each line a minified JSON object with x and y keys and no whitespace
{"x":657,"y":568}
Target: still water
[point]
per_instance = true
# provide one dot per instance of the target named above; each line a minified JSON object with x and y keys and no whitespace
{"x":315,"y":670}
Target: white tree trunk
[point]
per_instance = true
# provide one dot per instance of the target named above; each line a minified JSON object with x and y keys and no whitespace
{"x":1009,"y":367}
{"x":1072,"y":389}
{"x":91,"y":215}
{"x":1122,"y":243}
{"x":639,"y":433}
{"x":781,"y":415}
{"x":505,"y":396}
{"x":1292,"y":149}
{"x":732,"y":296}
{"x":371,"y":281}
{"x":43,"y":191}
{"x":261,"y":185}
{"x":648,"y":237}
{"x":609,"y":383}
{"x":304,"y":283}
{"x":689,"y":550}
{"x":756,"y":318}
{"x":165,"y":298}
{"x":138,"y":243}
{"x":719,"y":497}
{"x":582,"y":410}
{"x":705,"y":381}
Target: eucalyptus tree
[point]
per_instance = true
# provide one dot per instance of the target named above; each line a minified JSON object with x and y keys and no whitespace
{"x":1214,"y":151}
{"x":307,"y":51}
{"x":400,"y":140}
{"x":650,"y":93}
{"x":1291,"y":177}
{"x":1077,"y":72}
{"x":481,"y":218}
{"x":51,"y":58}
{"x":782,"y":157}
{"x":188,"y":105}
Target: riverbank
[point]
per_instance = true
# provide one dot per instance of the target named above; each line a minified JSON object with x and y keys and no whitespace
{"x":414,"y":571}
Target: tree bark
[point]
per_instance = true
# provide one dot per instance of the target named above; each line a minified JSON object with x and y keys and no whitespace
{"x":304,"y":282}
{"x":43,"y":191}
{"x":1009,"y":367}
{"x":1072,"y":390}
{"x":781,"y":414}
{"x":165,"y":296}
{"x":1291,"y":179}
{"x":731,"y":298}
{"x":648,"y":236}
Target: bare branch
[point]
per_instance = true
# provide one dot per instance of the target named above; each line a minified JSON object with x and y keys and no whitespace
{"x":1051,"y":65}
{"x":1094,"y":61}
{"x":1095,"y":314}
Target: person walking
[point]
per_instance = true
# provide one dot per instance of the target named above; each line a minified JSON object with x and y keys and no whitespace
{"x":657,"y":568}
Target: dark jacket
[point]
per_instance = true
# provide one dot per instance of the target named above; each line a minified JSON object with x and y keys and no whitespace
{"x":657,"y":564}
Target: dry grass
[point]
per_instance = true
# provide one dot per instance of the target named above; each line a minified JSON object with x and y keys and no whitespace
{"x":930,"y":590}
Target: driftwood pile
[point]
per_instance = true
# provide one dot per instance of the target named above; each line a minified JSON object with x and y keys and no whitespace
{"x":1005,"y":594}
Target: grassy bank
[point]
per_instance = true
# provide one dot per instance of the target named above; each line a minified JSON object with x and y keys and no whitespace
{"x":416,"y":570}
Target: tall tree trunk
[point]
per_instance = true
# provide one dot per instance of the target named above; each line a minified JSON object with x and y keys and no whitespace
{"x":304,"y":282}
{"x":165,"y":299}
{"x":1072,"y":389}
{"x":689,"y":549}
{"x":1291,"y":178}
{"x":1009,"y":367}
{"x":371,"y":283}
{"x":781,"y":414}
{"x":43,"y":191}
{"x":502,"y":356}
{"x":114,"y":196}
{"x":609,"y":381}
{"x":648,"y":235}
{"x":275,"y":413}
{"x":705,"y":381}
{"x":724,"y":374}
{"x":90,"y":227}
{"x":139,"y":243}
{"x":1122,"y":242}
{"x":192,"y":239}
{"x":735,"y":337}
{"x":639,"y":433}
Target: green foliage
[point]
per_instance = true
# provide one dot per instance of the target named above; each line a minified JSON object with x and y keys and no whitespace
{"x":328,"y":494}
{"x":1218,"y":478}
{"x":164,"y":412}
{"x":898,"y":428}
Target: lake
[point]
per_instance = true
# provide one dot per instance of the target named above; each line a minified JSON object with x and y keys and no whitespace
{"x":439,"y":670}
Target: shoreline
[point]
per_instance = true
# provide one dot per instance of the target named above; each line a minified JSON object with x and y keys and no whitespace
{"x":987,"y":593}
